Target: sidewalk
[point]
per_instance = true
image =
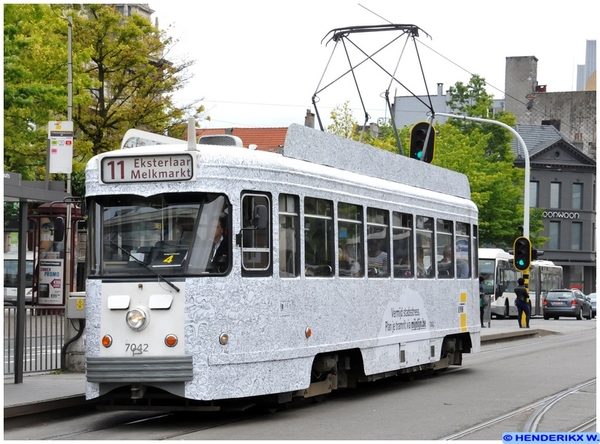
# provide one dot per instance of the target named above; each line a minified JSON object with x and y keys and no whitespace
{"x":43,"y":392}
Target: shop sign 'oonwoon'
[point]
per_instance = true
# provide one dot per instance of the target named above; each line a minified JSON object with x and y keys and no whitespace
{"x":560,"y":215}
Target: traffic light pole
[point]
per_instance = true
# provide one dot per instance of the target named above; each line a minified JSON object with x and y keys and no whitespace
{"x":525,"y":155}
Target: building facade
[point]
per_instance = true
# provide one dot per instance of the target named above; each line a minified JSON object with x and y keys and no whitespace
{"x":573,"y":113}
{"x":563,"y":184}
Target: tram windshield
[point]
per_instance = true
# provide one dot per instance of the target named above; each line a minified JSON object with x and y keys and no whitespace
{"x":169,"y":234}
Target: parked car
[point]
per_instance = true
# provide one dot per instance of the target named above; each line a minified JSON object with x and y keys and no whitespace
{"x":592,"y":300}
{"x":10,"y":278}
{"x":568,"y":302}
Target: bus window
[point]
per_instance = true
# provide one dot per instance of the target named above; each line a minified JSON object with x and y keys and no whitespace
{"x":402,"y":244}
{"x":318,"y":237}
{"x":289,"y":230}
{"x":350,"y":240}
{"x":378,"y":242}
{"x":445,"y":252}
{"x":462,"y":253}
{"x":424,"y":246}
{"x":256,"y":240}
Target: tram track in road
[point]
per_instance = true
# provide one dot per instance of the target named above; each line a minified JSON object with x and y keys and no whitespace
{"x":134,"y":425}
{"x":535,"y":419}
{"x":540,"y":410}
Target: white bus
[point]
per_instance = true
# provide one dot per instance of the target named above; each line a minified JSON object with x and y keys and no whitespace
{"x":218,"y":274}
{"x":500,"y":279}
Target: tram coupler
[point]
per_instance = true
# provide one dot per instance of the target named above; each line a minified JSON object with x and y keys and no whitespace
{"x":138,"y":391}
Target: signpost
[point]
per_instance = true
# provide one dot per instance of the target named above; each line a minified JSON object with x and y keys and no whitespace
{"x":60,"y":135}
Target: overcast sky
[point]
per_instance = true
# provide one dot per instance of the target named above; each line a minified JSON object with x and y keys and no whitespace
{"x":258,"y":63}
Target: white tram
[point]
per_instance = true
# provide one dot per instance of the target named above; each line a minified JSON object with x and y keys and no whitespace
{"x":219,"y":273}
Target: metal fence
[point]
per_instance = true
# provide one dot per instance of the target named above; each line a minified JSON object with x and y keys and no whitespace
{"x":44,"y":337}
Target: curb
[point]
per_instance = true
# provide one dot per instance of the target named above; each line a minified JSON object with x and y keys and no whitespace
{"x":44,"y":406}
{"x":510,"y":335}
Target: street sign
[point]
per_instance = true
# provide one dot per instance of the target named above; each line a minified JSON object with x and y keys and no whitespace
{"x":60,"y":149}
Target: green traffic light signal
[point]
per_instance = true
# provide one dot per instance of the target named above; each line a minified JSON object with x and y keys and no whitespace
{"x":522,"y":253}
{"x":422,"y":142}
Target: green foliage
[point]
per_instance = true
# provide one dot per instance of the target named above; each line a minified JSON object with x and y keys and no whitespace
{"x":342,"y":122}
{"x":34,"y":89}
{"x":494,"y":184}
{"x":122,"y":79}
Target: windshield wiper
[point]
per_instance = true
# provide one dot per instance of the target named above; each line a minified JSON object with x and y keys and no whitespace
{"x":170,"y":284}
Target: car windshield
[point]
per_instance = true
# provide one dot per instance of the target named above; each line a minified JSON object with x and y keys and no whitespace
{"x":169,"y":234}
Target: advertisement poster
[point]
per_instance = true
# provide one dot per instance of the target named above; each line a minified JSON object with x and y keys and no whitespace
{"x":51,"y":282}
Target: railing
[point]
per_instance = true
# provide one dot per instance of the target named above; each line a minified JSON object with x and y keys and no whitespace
{"x":44,"y":337}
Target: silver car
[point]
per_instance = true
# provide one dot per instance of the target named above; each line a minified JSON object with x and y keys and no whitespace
{"x":568,"y":302}
{"x":592,"y":300}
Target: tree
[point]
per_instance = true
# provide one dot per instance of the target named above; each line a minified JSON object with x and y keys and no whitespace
{"x":342,"y":122}
{"x":483,"y":153}
{"x":34,"y":85}
{"x":122,"y":78}
{"x":500,"y":190}
{"x":494,"y":185}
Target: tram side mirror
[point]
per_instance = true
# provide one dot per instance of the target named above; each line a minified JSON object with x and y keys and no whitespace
{"x":261,"y":217}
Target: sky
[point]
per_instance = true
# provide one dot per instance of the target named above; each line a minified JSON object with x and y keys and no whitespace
{"x":258,"y":63}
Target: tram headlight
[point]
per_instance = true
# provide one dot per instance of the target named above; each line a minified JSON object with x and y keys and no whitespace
{"x":137,"y":319}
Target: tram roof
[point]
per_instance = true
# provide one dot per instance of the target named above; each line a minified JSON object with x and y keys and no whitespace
{"x":315,"y":146}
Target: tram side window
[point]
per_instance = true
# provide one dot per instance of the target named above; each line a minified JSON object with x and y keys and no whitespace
{"x":462,"y":252}
{"x":402,"y":244}
{"x":378,"y":242}
{"x":350,"y":246}
{"x":289,"y":236}
{"x":445,"y":252}
{"x":424,"y":227}
{"x":256,"y":243}
{"x":318,"y":237}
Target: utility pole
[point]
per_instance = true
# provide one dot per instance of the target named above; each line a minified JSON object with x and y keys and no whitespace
{"x":68,"y":224}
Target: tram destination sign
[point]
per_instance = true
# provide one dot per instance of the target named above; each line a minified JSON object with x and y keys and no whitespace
{"x":153,"y":168}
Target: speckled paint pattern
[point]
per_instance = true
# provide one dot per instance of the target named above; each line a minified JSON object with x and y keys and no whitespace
{"x":266,"y":318}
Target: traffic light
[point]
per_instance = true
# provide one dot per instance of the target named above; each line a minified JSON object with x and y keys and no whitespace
{"x":422,"y":142}
{"x":522,"y":253}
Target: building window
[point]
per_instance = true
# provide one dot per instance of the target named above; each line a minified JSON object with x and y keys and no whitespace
{"x":554,"y":243}
{"x":576,"y":230}
{"x":533,"y":194}
{"x":555,"y":195}
{"x":577,"y":196}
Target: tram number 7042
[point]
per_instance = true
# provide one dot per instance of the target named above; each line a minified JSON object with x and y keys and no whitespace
{"x":136,"y":349}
